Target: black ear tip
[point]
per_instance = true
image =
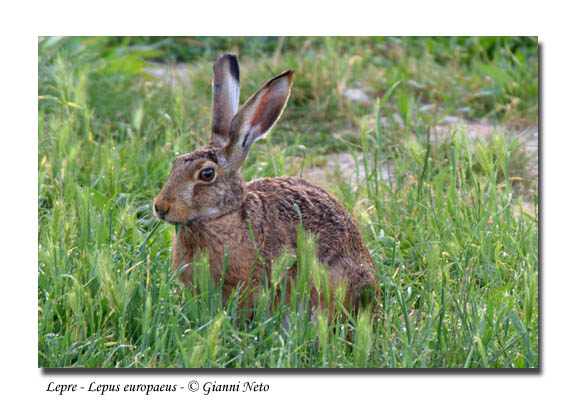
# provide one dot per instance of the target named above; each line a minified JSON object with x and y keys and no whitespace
{"x":234,"y":69}
{"x":287,"y":73}
{"x":232,"y":61}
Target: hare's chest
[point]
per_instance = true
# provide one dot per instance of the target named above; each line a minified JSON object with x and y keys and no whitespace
{"x":226,"y":244}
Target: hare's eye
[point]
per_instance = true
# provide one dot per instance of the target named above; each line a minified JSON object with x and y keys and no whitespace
{"x":207,"y":174}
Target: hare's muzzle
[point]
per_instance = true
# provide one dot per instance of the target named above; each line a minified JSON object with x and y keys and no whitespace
{"x":160,"y":208}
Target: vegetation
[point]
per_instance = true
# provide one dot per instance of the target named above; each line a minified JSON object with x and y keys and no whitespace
{"x":449,"y":217}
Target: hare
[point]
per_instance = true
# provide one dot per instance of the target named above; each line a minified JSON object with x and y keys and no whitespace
{"x":254,"y":222}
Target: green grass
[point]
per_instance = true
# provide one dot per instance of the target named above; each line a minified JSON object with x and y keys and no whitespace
{"x":455,"y":246}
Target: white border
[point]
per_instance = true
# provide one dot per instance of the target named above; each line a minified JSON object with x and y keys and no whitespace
{"x":22,"y":23}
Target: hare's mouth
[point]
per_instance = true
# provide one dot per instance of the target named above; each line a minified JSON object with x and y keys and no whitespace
{"x":170,"y":220}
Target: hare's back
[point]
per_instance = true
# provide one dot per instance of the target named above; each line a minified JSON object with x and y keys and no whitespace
{"x":339,"y":242}
{"x":319,"y":209}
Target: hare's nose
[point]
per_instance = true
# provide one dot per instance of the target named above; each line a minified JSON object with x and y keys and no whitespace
{"x":161,"y":209}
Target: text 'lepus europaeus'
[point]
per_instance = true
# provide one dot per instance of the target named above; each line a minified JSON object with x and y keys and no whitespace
{"x":254,"y":222}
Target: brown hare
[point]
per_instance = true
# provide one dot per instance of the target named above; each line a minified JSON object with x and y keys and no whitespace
{"x":254,"y":222}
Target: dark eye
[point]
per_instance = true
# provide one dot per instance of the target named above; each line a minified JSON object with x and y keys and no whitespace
{"x":207,"y":174}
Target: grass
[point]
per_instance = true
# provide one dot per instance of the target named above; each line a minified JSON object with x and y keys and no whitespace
{"x":455,"y":245}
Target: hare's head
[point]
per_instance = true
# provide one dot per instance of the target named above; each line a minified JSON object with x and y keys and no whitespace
{"x":207,"y":182}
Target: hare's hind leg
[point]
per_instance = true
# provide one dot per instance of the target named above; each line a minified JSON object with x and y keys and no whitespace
{"x":363,"y":284}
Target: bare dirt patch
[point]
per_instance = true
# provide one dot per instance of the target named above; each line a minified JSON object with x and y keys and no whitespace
{"x":342,"y":165}
{"x":483,"y":129}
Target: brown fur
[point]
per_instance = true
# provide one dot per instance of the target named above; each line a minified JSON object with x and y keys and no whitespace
{"x":259,"y":217}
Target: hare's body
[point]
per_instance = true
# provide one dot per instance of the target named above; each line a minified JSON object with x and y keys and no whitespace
{"x":253,"y":223}
{"x":269,"y":207}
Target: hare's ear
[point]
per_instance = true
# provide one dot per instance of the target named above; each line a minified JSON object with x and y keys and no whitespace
{"x":225,"y":93}
{"x":256,"y":117}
